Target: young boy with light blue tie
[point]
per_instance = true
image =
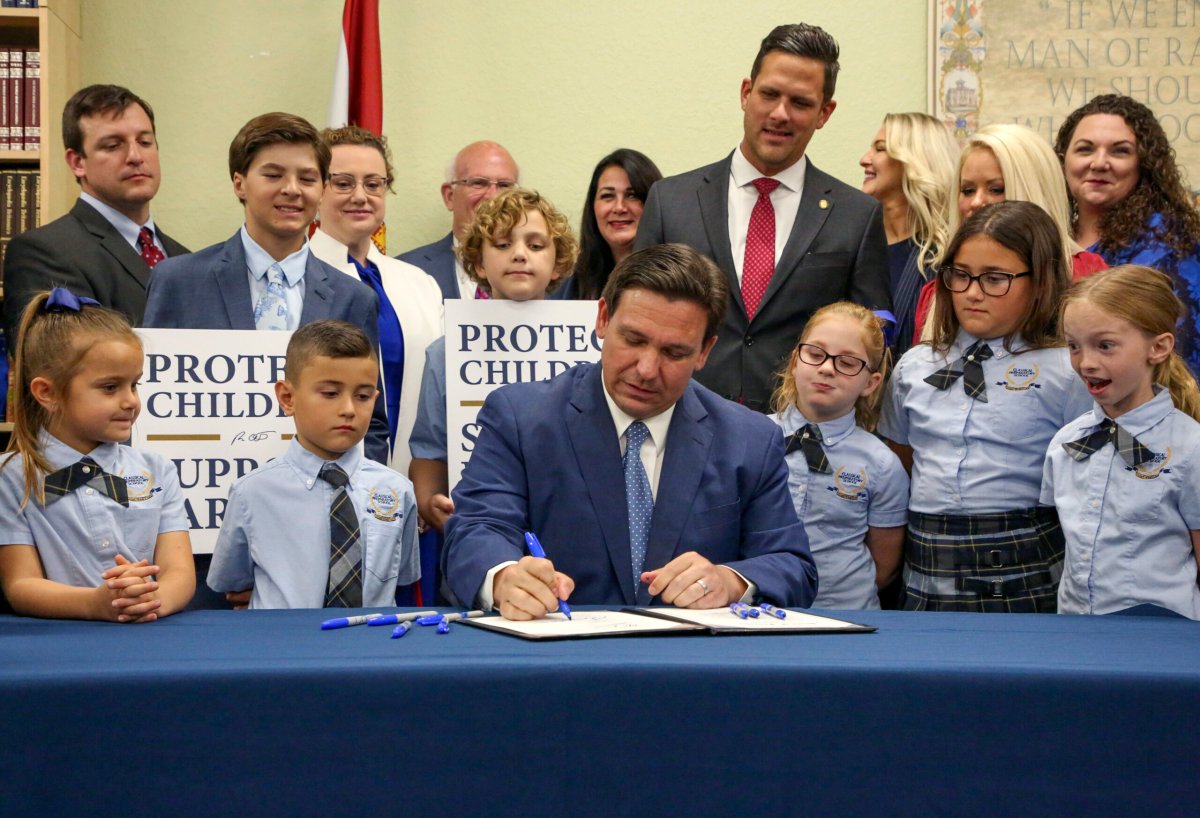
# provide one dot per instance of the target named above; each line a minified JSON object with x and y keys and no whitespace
{"x":321,"y":526}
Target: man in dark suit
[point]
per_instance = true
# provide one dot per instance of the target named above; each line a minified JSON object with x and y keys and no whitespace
{"x":789,"y":238}
{"x":264,"y":277}
{"x":639,"y":482}
{"x":479,"y":172}
{"x":105,"y":247}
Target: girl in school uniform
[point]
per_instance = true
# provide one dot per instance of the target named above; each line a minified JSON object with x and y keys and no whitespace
{"x":89,"y":529}
{"x":972,"y":412}
{"x":847,"y":486}
{"x":1124,"y":476}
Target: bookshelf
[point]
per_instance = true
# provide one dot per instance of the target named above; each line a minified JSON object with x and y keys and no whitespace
{"x":53,"y":29}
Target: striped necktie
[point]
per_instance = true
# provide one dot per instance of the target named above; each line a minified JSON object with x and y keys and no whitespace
{"x":345,"y":587}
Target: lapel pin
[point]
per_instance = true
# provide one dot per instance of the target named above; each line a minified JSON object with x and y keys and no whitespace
{"x":823,"y":204}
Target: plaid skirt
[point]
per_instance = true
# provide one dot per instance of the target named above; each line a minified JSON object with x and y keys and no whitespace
{"x":1008,"y":562}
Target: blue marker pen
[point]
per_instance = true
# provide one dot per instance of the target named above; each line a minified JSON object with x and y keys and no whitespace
{"x":768,"y":608}
{"x":443,"y":627}
{"x":750,"y":609}
{"x":739,"y":609}
{"x":401,"y":629}
{"x":396,"y":619}
{"x":432,"y":619}
{"x":536,"y":550}
{"x":348,"y":621}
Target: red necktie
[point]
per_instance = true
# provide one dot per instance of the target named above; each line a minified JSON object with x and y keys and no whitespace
{"x":149,"y":250}
{"x":759,"y":263}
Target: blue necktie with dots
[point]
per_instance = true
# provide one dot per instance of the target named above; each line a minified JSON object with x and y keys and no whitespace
{"x":638,"y":498}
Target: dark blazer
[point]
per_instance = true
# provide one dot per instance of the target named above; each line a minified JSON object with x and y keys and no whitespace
{"x":548,"y":460}
{"x":209,"y":289}
{"x":84,"y":253}
{"x":437,"y":260}
{"x":837,"y":250}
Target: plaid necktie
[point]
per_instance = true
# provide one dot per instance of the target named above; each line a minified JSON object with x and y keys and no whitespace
{"x":758,"y":265}
{"x":639,"y":500}
{"x":148,"y":249}
{"x":808,"y":440}
{"x":86,"y":472}
{"x":345,"y":588}
{"x":969,"y":368}
{"x":1132,"y":452}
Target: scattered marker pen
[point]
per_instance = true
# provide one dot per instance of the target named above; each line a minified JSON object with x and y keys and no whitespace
{"x":770,"y":609}
{"x":431,"y":619}
{"x":443,"y":626}
{"x":536,"y":550}
{"x":349,"y":621}
{"x":739,"y":609}
{"x":401,"y":629}
{"x":396,"y":619}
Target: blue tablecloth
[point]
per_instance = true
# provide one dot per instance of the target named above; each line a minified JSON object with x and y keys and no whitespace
{"x":261,"y":713}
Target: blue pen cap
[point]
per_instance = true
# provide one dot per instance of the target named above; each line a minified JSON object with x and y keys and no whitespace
{"x":401,"y":629}
{"x":432,"y":619}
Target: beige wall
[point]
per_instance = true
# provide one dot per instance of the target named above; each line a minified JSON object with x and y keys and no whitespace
{"x":559,"y":83}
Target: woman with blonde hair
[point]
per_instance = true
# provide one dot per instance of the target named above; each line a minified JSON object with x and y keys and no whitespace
{"x":1011,"y":162}
{"x":909,"y":168}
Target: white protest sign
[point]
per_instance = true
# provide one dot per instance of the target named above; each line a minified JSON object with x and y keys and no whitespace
{"x":495,"y":343}
{"x":208,"y":405}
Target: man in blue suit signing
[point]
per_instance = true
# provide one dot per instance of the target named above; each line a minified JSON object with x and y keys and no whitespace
{"x":264,"y":277}
{"x":640,"y":483}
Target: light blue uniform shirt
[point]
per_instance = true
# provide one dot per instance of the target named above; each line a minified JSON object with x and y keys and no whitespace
{"x":78,"y":536}
{"x":1128,"y":530}
{"x":971,"y":457}
{"x":275,"y":535}
{"x":259,"y":261}
{"x":867,"y":487}
{"x":428,"y":437}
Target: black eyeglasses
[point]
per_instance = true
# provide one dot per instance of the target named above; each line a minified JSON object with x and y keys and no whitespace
{"x":345,"y":183}
{"x":813,"y":355}
{"x":482,"y":183}
{"x":995,"y":284}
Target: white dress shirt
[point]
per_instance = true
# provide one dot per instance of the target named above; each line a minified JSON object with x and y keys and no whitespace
{"x":742,"y":196}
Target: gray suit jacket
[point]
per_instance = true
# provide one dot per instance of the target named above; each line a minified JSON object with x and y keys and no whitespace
{"x":837,"y":250}
{"x":84,"y":253}
{"x":437,"y":260}
{"x":209,"y":289}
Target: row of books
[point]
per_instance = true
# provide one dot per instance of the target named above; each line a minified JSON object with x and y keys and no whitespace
{"x":20,"y":204}
{"x":19,"y":4}
{"x":20,"y":104}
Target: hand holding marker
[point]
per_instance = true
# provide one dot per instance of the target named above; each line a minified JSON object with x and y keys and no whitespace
{"x":536,"y":550}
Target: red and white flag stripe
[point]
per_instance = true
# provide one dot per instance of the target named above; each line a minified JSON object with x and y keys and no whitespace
{"x":357,"y":97}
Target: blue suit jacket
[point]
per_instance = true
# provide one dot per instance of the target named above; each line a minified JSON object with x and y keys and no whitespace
{"x":548,"y":460}
{"x":209,"y":289}
{"x":437,"y":260}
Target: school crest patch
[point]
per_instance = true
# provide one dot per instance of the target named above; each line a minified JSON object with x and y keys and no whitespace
{"x":140,"y":486}
{"x":1152,"y":468}
{"x":1021,"y":378}
{"x":850,"y":484}
{"x":385,"y":503}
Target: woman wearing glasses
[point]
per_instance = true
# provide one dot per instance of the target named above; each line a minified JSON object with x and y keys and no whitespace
{"x":611,"y":212}
{"x":972,"y":413}
{"x":410,"y":304}
{"x":1129,"y":202}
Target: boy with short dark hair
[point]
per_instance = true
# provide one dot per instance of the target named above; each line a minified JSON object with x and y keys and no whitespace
{"x":321,"y":526}
{"x":264,"y":277}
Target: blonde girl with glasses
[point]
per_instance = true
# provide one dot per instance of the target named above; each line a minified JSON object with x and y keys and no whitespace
{"x":847,"y":487}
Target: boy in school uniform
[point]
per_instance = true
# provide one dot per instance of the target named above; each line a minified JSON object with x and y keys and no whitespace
{"x":321,"y":526}
{"x":264,"y":276}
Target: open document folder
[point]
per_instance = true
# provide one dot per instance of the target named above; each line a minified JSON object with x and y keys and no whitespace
{"x":663,"y":621}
